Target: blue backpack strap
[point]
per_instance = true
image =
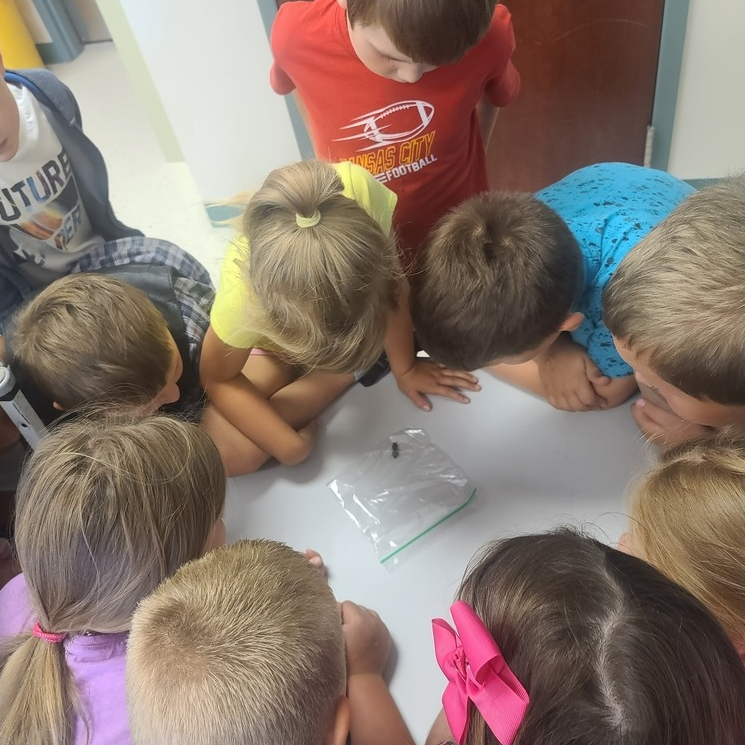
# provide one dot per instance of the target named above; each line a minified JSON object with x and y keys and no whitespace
{"x":16,"y":79}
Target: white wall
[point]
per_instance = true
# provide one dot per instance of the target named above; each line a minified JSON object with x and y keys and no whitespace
{"x":709,"y":134}
{"x":34,"y":24}
{"x":210,"y":64}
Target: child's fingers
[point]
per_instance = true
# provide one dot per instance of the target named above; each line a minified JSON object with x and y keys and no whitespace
{"x":594,"y":375}
{"x":459,"y":373}
{"x":447,"y":391}
{"x":420,"y":400}
{"x":648,"y":426}
{"x":456,"y":379}
{"x":315,"y":558}
{"x":586,"y":396}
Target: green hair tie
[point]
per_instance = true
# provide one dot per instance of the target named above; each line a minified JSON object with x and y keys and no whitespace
{"x":308,"y":222}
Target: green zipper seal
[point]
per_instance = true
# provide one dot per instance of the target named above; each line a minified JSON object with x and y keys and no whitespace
{"x":431,"y":527}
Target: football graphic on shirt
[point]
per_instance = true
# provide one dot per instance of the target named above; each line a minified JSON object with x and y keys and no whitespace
{"x":395,"y":123}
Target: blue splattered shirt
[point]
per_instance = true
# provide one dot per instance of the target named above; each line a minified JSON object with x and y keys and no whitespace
{"x":609,"y":207}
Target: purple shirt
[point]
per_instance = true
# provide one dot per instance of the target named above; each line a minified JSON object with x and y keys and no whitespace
{"x":96,"y":663}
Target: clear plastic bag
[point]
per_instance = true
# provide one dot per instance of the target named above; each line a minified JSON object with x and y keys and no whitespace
{"x":401,"y":490}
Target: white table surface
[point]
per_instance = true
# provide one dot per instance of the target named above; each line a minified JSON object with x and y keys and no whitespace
{"x":534,"y":468}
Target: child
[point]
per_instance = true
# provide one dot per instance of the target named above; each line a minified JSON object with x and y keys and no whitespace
{"x":131,"y":317}
{"x":674,"y":310}
{"x":246,"y":645}
{"x":515,"y":281}
{"x":688,"y":520}
{"x":136,"y":332}
{"x":315,"y":281}
{"x":561,"y":639}
{"x":107,"y":508}
{"x":408,"y":90}
{"x":54,"y":194}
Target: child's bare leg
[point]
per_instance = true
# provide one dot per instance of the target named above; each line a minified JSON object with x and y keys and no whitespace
{"x":299,"y":403}
{"x":303,"y":400}
{"x":239,"y":454}
{"x":269,"y":373}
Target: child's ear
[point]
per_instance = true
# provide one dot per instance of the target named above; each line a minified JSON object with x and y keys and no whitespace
{"x":572,"y":322}
{"x":57,"y":406}
{"x":340,"y":728}
{"x":342,"y":4}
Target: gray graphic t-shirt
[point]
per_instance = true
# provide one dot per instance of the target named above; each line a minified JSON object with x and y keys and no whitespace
{"x":39,"y":201}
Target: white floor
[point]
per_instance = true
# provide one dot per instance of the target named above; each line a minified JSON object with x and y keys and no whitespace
{"x":149,"y":193}
{"x":533,"y":467}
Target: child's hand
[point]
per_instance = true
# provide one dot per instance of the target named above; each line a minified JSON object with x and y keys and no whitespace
{"x":426,"y":376}
{"x":664,"y":427}
{"x":316,"y":559}
{"x":367,"y":639}
{"x":570,"y":379}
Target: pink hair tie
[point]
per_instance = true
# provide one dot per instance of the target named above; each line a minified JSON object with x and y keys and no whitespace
{"x":47,"y":636}
{"x":477,"y":674}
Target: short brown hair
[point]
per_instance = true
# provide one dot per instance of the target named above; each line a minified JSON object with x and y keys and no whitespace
{"x":688,"y":520}
{"x":241,"y":647}
{"x":434,"y":32}
{"x":609,"y":650}
{"x":677,"y":298}
{"x":498,"y":276}
{"x":324,"y":292}
{"x":92,"y":338}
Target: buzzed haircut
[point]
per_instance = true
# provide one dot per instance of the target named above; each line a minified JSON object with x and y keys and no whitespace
{"x":241,"y":647}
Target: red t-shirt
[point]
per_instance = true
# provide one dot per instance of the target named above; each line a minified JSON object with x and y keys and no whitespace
{"x":422,"y":140}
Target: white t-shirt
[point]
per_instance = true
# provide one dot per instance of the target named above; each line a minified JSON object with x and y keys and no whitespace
{"x":40,"y":202}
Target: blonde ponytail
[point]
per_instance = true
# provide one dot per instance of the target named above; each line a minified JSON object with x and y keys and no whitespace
{"x":324,"y":274}
{"x":107,"y":508}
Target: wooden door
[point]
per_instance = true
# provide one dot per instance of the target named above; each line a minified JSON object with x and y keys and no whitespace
{"x":588,"y":72}
{"x":588,"y":78}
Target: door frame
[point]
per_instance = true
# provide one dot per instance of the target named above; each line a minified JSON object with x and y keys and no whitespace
{"x":669,"y":64}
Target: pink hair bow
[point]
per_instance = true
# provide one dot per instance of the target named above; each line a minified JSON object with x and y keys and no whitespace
{"x":477,"y":672}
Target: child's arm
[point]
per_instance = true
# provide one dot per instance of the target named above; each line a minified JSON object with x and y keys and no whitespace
{"x":375,"y":718}
{"x":244,"y":406}
{"x":568,"y":379}
{"x":417,"y":377}
{"x":487,"y":115}
{"x":573,"y":382}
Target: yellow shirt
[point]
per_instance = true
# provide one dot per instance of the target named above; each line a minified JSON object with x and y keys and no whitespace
{"x":233,"y":298}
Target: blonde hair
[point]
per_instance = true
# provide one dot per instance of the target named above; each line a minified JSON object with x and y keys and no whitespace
{"x":325,"y":291}
{"x":106,"y":509}
{"x":688,"y":520}
{"x":676,"y":296}
{"x":90,"y":337}
{"x":241,"y":647}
